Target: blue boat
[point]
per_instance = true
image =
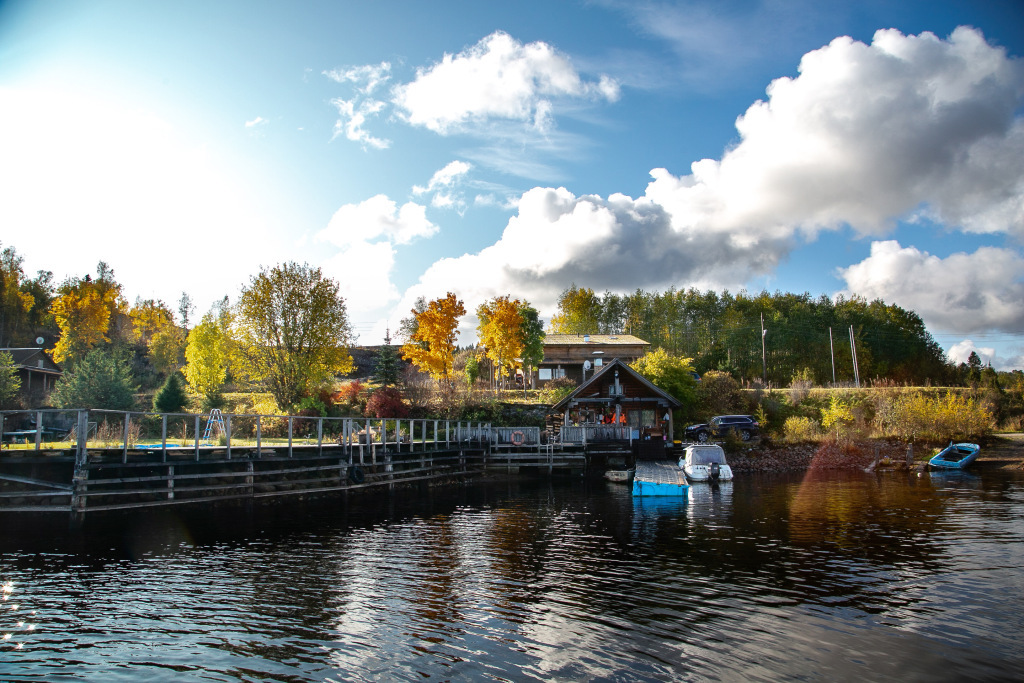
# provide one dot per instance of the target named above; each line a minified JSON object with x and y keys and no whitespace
{"x":956,"y":456}
{"x":658,"y":478}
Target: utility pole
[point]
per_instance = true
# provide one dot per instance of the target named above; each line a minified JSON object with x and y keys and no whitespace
{"x":764,"y":358}
{"x":853,"y":352}
{"x":832,"y":350}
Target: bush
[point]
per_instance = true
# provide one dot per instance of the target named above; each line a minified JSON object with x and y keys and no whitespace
{"x":916,"y":415}
{"x":311,"y":406}
{"x":719,"y":394}
{"x":797,"y":429}
{"x":386,"y":402}
{"x":557,"y":389}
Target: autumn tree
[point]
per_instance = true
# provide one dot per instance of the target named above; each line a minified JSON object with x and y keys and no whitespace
{"x":501,"y":331}
{"x":579,"y":312}
{"x":83,"y":316}
{"x":167,"y":350}
{"x":206,"y":359}
{"x":292,"y":332}
{"x":15,"y":304}
{"x":149,"y":318}
{"x":432,"y":346}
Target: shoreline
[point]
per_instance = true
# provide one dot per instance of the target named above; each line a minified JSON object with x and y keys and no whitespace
{"x":1000,"y":451}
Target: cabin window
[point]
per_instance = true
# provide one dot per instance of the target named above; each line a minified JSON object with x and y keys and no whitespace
{"x":544,"y":374}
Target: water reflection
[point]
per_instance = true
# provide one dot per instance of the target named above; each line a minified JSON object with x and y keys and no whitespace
{"x":825,"y":575}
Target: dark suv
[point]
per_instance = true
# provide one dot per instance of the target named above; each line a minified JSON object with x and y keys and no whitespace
{"x":720,"y":425}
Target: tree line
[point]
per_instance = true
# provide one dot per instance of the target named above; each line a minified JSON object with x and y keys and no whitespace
{"x":288,"y":334}
{"x":803,"y":337}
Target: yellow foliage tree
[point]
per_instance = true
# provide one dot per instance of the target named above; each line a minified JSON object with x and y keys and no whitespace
{"x":149,"y":318}
{"x":432,"y":346}
{"x":206,"y":356}
{"x":501,"y":330}
{"x":83,"y":316}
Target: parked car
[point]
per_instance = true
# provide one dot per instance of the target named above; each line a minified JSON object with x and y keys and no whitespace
{"x":720,"y":425}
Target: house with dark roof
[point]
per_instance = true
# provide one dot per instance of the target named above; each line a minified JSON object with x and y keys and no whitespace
{"x":37,"y":371}
{"x":617,"y":404}
{"x":579,"y":356}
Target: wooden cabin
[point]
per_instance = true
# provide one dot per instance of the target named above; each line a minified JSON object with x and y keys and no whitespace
{"x":579,"y":356}
{"x":37,"y":371}
{"x":617,"y":404}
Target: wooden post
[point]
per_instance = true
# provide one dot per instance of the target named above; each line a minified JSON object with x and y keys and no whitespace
{"x":248,"y":478}
{"x":259,"y":436}
{"x":170,"y":482}
{"x":163,"y":438}
{"x":227,"y":434}
{"x":289,"y":437}
{"x":39,"y":429}
{"x":320,"y":436}
{"x":910,"y":454}
{"x":197,"y":438}
{"x":124,"y":449}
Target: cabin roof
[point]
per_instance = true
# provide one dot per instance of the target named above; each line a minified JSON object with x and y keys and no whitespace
{"x":599,"y":380}
{"x":28,"y":359}
{"x":594,"y":340}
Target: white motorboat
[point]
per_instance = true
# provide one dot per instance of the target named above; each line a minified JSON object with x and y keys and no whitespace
{"x":705,"y":462}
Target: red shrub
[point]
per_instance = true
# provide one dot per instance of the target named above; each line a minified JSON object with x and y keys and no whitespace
{"x":386,"y":402}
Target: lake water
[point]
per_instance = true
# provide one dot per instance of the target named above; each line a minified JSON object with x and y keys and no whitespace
{"x":838,"y":576}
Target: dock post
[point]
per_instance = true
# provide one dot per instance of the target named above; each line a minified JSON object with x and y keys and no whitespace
{"x":79,"y":480}
{"x":319,"y":436}
{"x":163,"y":438}
{"x":170,"y":482}
{"x":39,"y":428}
{"x":197,"y":438}
{"x":259,"y":436}
{"x":227,"y":434}
{"x":124,"y":449}
{"x":289,"y":436}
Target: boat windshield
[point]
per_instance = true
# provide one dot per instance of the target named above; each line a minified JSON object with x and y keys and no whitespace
{"x":707,"y":457}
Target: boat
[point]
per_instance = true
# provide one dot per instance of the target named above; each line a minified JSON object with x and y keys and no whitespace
{"x":658,"y":478}
{"x":955,"y":456}
{"x":619,"y":476}
{"x":705,"y":462}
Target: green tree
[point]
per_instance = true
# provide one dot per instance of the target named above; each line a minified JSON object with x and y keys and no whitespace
{"x":386,"y":369}
{"x":167,"y":350}
{"x":206,"y":359}
{"x":171,"y":397}
{"x":579,"y":312}
{"x":10,"y":383}
{"x":292,"y":332}
{"x":533,"y":338}
{"x":669,"y":373}
{"x":100,"y":379}
{"x":15,"y":304}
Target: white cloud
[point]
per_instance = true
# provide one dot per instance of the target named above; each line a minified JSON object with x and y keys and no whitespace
{"x":363,"y":272}
{"x":376,"y":217}
{"x":258,"y":121}
{"x":864,"y":136}
{"x":961,"y":352}
{"x":366,"y":78}
{"x":498,"y":77}
{"x":443,"y":184}
{"x":352,"y":116}
{"x":962,"y":293}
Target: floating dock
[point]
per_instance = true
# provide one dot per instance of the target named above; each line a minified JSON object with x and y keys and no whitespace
{"x":659,"y":478}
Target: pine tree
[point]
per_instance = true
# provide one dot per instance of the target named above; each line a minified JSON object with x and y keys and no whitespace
{"x":171,"y":397}
{"x":385,"y":367}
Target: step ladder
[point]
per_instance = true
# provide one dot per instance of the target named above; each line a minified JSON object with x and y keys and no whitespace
{"x":214,"y":426}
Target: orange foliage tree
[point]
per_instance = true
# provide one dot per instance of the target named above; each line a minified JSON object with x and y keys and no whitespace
{"x":432,"y":346}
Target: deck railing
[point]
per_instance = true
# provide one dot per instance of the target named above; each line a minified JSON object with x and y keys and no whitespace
{"x":597,"y":433}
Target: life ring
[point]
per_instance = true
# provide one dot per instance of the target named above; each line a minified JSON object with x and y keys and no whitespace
{"x":518,"y":438}
{"x":356,"y":475}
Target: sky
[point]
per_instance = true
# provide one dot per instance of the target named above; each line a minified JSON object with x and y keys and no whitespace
{"x":411,"y":149}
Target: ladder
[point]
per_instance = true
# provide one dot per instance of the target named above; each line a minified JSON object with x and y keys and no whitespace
{"x":214,"y":425}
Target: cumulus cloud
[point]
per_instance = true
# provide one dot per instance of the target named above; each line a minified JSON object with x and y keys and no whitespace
{"x":376,"y":217}
{"x":961,"y":352}
{"x":501,"y":78}
{"x":866,"y":135}
{"x":258,"y":121}
{"x":962,"y":293}
{"x":363,"y":271}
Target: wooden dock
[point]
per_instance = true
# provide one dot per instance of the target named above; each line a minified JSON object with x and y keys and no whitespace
{"x":134,"y":460}
{"x":659,"y":478}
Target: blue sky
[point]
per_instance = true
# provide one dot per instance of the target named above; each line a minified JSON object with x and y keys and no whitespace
{"x":412,"y":148}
